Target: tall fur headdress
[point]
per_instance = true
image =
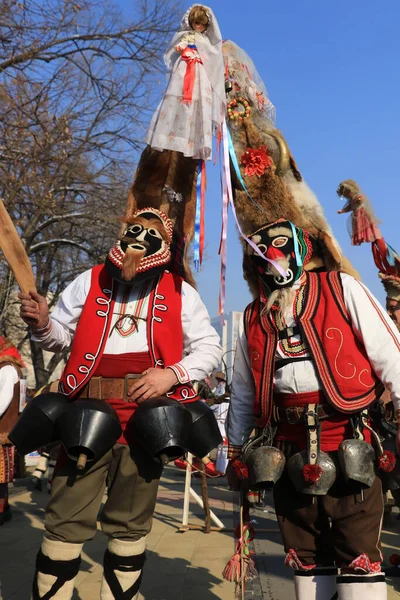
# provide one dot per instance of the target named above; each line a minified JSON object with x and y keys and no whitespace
{"x":266,"y":181}
{"x":167,"y":181}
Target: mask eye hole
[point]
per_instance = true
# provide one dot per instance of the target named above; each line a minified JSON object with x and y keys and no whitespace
{"x":280,"y":241}
{"x":154,"y":233}
{"x":262,"y":248}
{"x":135,"y":229}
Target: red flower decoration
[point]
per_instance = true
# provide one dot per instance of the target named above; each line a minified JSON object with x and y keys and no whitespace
{"x":240,"y":469}
{"x":256,"y":161}
{"x":312,"y":473}
{"x":387,"y":461}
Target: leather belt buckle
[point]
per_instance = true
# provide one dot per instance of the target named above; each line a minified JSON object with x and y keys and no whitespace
{"x":292,"y":415}
{"x":128,"y":377}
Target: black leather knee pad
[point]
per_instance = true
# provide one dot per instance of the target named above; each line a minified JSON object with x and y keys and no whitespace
{"x":64,"y":570}
{"x":112,"y":563}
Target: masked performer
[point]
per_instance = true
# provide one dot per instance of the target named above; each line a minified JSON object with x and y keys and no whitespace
{"x":316,"y":349}
{"x":10,"y":374}
{"x":194,"y":101}
{"x":132,"y":315}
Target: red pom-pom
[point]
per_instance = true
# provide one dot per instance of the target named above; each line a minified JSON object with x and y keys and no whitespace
{"x":394,"y":560}
{"x":387,"y":461}
{"x":240,"y":469}
{"x":312,"y":473}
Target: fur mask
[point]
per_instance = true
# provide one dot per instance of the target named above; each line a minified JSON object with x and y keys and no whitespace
{"x":144,"y":250}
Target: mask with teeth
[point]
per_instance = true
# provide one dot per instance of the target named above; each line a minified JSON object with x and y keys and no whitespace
{"x":285,"y":244}
{"x":144,"y":250}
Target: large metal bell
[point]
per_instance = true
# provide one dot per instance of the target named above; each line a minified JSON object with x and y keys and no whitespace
{"x":89,"y":428}
{"x":265,"y":465}
{"x":204,"y":434}
{"x":36,"y":427}
{"x":161,"y":426}
{"x":357,"y":461}
{"x":296,"y":464}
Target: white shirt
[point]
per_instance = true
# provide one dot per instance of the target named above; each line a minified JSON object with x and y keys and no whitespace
{"x":201,"y":348}
{"x":8,"y":379}
{"x":371,"y":325}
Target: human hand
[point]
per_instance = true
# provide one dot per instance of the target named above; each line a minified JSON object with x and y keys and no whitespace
{"x":179,"y":48}
{"x":153,"y":383}
{"x":34,"y":310}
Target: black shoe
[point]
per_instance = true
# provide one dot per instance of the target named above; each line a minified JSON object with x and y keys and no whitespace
{"x":36,"y":483}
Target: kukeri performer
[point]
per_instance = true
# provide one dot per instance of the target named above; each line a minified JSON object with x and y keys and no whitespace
{"x":194,"y":103}
{"x":11,"y":365}
{"x":133,"y":315}
{"x":316,"y":349}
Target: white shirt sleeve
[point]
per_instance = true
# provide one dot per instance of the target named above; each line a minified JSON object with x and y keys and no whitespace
{"x":202,"y":352}
{"x":374,"y":328}
{"x":65,"y":316}
{"x":8,"y":379}
{"x":241,"y":419}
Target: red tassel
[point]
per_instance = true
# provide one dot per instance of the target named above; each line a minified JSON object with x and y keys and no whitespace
{"x":312,"y":473}
{"x":394,"y":560}
{"x":232,"y":569}
{"x":240,"y":469}
{"x":387,"y":461}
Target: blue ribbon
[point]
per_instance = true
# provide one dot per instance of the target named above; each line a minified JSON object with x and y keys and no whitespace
{"x":235,"y":163}
{"x":391,"y":255}
{"x":299,"y":261}
{"x":196,"y":249}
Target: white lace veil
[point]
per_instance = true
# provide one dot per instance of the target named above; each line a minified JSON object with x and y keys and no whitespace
{"x":209,"y":45}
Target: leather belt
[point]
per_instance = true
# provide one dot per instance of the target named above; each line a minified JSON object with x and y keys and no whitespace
{"x":104,"y":388}
{"x":296,"y":414}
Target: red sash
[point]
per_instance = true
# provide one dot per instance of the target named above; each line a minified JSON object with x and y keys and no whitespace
{"x":164,"y":331}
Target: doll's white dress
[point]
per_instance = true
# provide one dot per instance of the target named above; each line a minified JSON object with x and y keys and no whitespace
{"x":179,"y":125}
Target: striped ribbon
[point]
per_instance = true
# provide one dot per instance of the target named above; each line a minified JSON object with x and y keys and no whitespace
{"x":299,"y":261}
{"x":199,"y":219}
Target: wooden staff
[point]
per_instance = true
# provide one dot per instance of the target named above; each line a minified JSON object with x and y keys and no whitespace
{"x":15,"y":253}
{"x":204,"y":493}
{"x":242,"y":584}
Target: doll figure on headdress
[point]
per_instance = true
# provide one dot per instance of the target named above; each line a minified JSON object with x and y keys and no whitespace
{"x":194,"y":103}
{"x":363,"y":225}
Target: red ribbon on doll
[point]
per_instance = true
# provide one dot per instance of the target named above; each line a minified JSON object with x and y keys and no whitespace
{"x":190,"y":56}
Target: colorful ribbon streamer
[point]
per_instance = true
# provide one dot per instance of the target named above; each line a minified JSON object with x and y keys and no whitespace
{"x":299,"y":261}
{"x":235,"y":163}
{"x":199,"y":219}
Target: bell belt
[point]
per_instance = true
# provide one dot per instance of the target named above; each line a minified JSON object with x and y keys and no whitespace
{"x":297,"y":414}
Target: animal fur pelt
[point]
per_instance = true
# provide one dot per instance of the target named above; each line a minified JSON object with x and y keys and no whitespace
{"x":279,"y":191}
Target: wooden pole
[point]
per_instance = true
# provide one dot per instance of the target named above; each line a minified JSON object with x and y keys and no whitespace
{"x":204,"y":493}
{"x":186,"y":497}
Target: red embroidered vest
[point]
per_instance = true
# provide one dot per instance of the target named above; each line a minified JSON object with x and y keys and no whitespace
{"x":344,"y":370}
{"x":164,"y":331}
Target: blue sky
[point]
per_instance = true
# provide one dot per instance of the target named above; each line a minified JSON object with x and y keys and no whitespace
{"x":332,"y":71}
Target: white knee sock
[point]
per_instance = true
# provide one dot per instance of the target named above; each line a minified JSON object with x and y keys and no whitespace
{"x":318,"y":584}
{"x":126,"y":578}
{"x":57,"y":551}
{"x":367,"y":587}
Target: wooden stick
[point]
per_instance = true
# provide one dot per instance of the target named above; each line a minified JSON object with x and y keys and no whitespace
{"x":204,"y":493}
{"x":15,"y":253}
{"x":241,"y":547}
{"x":186,"y":497}
{"x":81,"y":463}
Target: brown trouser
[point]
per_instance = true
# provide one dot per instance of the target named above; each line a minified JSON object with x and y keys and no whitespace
{"x":132,"y":480}
{"x":336,"y":528}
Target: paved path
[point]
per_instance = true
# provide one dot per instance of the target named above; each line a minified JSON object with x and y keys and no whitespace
{"x":180,"y":566}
